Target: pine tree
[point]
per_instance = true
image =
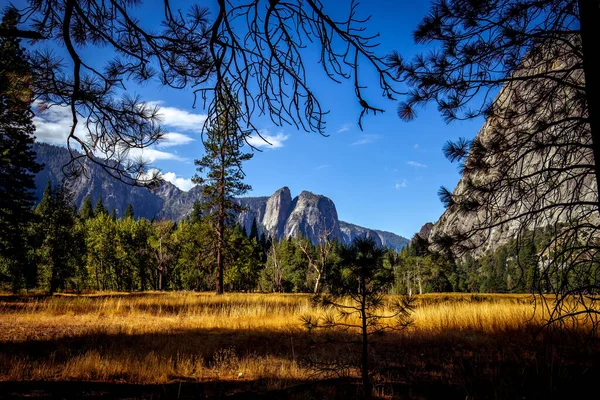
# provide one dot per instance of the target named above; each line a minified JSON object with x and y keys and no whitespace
{"x":57,"y":252}
{"x":253,"y":230}
{"x":17,"y":159}
{"x":223,"y":175}
{"x":357,"y":300}
{"x":264,"y":244}
{"x":101,"y":252}
{"x":99,"y":208}
{"x":87,"y":210}
{"x":129,"y":211}
{"x":197,"y":213}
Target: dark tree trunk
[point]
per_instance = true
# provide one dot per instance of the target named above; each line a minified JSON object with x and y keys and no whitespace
{"x":220,"y":233}
{"x":365,"y":342}
{"x":219,"y":272}
{"x":142,"y":268}
{"x":589,"y":16}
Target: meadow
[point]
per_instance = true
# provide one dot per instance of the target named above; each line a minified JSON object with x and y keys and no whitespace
{"x":458,"y":345}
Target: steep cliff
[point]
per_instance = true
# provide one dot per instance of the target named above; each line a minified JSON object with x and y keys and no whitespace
{"x":277,"y":209}
{"x":531,"y":164}
{"x":425,"y":230}
{"x":313,"y":216}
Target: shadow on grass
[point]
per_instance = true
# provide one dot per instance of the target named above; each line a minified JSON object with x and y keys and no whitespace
{"x":452,"y":366}
{"x":335,"y":389}
{"x":199,"y":343}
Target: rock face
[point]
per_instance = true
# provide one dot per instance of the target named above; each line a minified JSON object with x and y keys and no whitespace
{"x":382,"y":238}
{"x":277,"y":209}
{"x":532,"y":163}
{"x":313,"y":216}
{"x":255,"y":209}
{"x":176,"y":203}
{"x":95,"y":183}
{"x":279,"y":215}
{"x":425,"y":230}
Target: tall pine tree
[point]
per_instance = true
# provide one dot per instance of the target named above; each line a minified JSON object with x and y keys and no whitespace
{"x":87,"y":209}
{"x":129,"y":213}
{"x":253,"y":230}
{"x":99,"y":208}
{"x":220,"y":172}
{"x":59,"y":250}
{"x":17,"y":159}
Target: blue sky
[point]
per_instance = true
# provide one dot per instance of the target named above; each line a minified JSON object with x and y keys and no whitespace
{"x":384,"y":177}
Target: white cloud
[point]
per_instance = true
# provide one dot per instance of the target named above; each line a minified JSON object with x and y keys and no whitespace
{"x":416,"y":146}
{"x":180,"y":119}
{"x":345,"y":127}
{"x":416,"y":164}
{"x":181,"y":183}
{"x":400,"y":185}
{"x":52,"y":125}
{"x":323,"y":166}
{"x":171,"y":139}
{"x":366,"y":139}
{"x":274,"y":141}
{"x":153,"y":155}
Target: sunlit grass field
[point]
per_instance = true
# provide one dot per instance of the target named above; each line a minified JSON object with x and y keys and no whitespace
{"x":461,"y":340}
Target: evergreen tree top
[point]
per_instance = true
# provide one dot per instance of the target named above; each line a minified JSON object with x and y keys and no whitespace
{"x":220,"y":170}
{"x":99,"y":208}
{"x":129,"y":213}
{"x":18,"y":164}
{"x":87,"y":210}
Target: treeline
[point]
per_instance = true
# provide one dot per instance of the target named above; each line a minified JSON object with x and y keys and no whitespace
{"x":78,"y":250}
{"x":70,"y":249}
{"x":515,"y":267}
{"x":504,"y":270}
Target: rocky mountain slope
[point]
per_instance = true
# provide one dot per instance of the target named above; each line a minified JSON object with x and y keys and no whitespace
{"x":96,"y":183}
{"x":383,"y":238}
{"x":424,"y":232}
{"x":532,"y":165}
{"x":279,"y":215}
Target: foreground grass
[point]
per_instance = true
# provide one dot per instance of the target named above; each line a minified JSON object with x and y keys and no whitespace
{"x":465,"y":341}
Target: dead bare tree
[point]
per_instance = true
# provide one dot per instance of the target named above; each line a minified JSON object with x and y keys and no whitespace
{"x":319,"y":263}
{"x":277,"y":270}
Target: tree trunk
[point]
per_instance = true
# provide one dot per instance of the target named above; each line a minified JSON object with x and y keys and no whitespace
{"x":160,"y":263}
{"x":419,"y":278}
{"x":318,"y":282}
{"x":220,"y":232}
{"x":219,"y":272}
{"x":97,"y":275}
{"x":142,"y":269}
{"x":365,"y":342}
{"x":589,"y":17}
{"x":276,"y":274}
{"x":53,"y":277}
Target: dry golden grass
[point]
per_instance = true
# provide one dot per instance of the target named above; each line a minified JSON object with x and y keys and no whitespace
{"x":165,"y":337}
{"x":150,"y":337}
